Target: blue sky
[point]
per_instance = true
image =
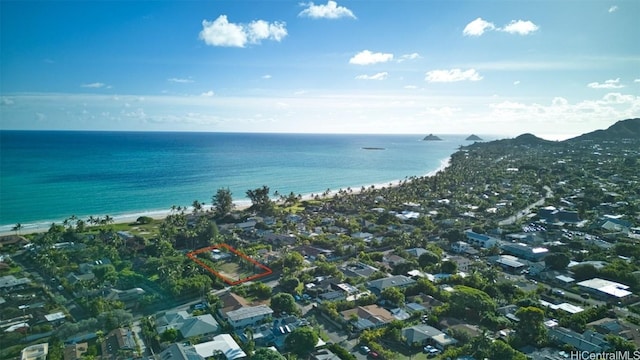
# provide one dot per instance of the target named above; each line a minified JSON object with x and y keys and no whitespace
{"x":552,"y":68}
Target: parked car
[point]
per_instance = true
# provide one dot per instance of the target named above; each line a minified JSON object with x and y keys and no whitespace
{"x":557,"y":292}
{"x":374,"y":355}
{"x":430,"y":351}
{"x":365,"y":350}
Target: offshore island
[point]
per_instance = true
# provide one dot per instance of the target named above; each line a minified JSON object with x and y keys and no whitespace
{"x":520,"y":248}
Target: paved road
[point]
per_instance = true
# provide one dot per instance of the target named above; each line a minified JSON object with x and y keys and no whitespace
{"x":526,"y":211}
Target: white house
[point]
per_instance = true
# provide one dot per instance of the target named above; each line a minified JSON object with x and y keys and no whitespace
{"x":249,"y":315}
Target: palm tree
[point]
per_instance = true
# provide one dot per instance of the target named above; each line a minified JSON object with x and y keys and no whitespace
{"x":17,"y":228}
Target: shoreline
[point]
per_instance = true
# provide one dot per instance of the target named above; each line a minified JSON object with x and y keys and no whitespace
{"x":43,"y":226}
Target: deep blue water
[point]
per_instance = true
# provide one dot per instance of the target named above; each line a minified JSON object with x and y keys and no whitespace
{"x":47,"y":176}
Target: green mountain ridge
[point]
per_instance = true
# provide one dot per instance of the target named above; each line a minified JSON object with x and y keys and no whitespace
{"x":623,"y":129}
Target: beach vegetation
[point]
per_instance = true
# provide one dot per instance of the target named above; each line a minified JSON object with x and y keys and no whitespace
{"x":222,"y":202}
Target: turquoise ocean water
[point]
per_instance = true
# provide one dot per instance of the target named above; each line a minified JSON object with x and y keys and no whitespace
{"x":47,"y":176}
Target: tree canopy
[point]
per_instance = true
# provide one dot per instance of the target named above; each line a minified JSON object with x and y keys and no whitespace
{"x":266,"y":354}
{"x":301,"y":341}
{"x":222,"y":202}
{"x":283,"y":302}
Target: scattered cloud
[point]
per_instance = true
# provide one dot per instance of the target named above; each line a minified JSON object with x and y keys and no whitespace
{"x":221,"y":32}
{"x":209,"y":93}
{"x":329,"y":11}
{"x":636,"y":80}
{"x":477,"y":27}
{"x":48,"y":61}
{"x":410,"y":87}
{"x":608,"y":84}
{"x":520,"y":27}
{"x":378,"y":76}
{"x":452,"y":75}
{"x":6,"y":101}
{"x":266,"y":76}
{"x":95,"y":85}
{"x":367,"y":57}
{"x":614,"y":8}
{"x":517,"y":82}
{"x":180,"y":80}
{"x":412,"y":56}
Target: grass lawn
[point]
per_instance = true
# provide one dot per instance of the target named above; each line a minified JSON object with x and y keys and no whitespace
{"x":233,"y":271}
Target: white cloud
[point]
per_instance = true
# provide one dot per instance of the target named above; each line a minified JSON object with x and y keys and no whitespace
{"x":517,"y":82}
{"x":260,"y":30}
{"x":608,"y":84}
{"x":367,"y":57}
{"x":95,"y":85}
{"x":453,"y":75}
{"x":221,"y":32}
{"x":412,"y":56}
{"x":477,"y":27}
{"x":636,"y":80}
{"x":209,"y":93}
{"x":520,"y":27}
{"x":378,"y":76}
{"x":266,"y":77}
{"x":329,"y":11}
{"x":180,"y":81}
{"x":6,"y":101}
{"x":410,"y":87}
{"x":613,"y":8}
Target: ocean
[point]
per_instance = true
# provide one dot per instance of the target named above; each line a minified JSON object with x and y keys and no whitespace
{"x":47,"y":176}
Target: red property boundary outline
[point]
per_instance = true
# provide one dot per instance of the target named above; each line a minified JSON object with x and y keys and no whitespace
{"x":192,"y":255}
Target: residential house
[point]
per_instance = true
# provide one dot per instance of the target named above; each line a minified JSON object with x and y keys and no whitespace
{"x":324,"y":354}
{"x":461,"y":262}
{"x":17,"y":240}
{"x":129,"y":297}
{"x":589,"y":341}
{"x":280,"y":239}
{"x":223,"y":343}
{"x":231,"y":301}
{"x":179,"y":351}
{"x":612,"y":224}
{"x":622,"y":328}
{"x":481,"y":240}
{"x":75,"y":351}
{"x":312,"y":252}
{"x":460,"y":247}
{"x":368,"y":317}
{"x":35,"y":352}
{"x":117,"y":343}
{"x":392,"y":260}
{"x":510,"y":263}
{"x":358,"y":269}
{"x":422,"y":334}
{"x":416,"y":252}
{"x":401,"y":281}
{"x":250,"y":315}
{"x":9,"y":283}
{"x":186,"y":324}
{"x":426,"y":301}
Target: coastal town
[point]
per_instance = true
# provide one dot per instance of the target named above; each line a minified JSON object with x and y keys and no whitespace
{"x":520,"y":248}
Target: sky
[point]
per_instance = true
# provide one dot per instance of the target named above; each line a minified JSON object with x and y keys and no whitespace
{"x":555,"y":68}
